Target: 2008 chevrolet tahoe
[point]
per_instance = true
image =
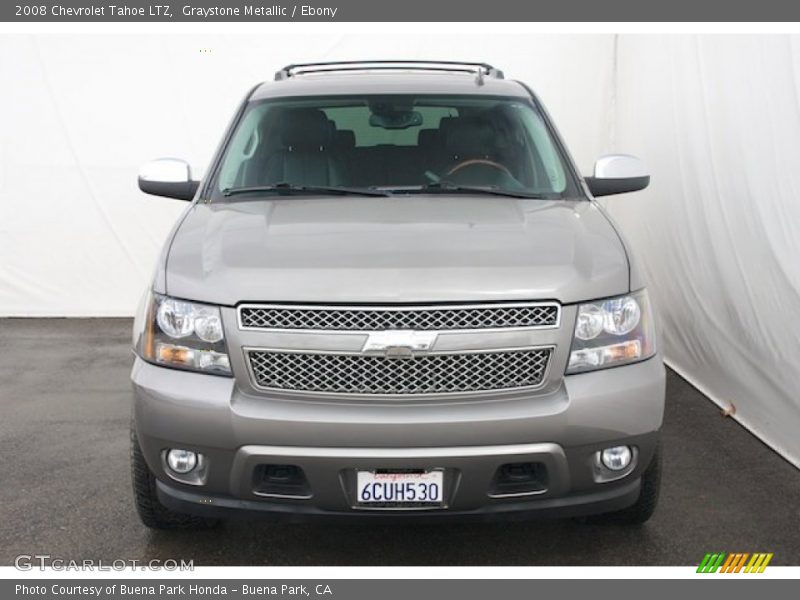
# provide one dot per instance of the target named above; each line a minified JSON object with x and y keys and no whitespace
{"x":393,"y":295}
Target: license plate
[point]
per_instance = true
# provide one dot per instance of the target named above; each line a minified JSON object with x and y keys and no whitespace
{"x":400,"y":489}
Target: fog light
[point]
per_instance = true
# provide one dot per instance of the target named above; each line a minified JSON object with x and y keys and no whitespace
{"x":181,"y":461}
{"x":616,"y":458}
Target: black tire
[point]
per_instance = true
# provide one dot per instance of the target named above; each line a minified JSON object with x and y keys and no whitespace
{"x":648,"y":498}
{"x":151,"y":512}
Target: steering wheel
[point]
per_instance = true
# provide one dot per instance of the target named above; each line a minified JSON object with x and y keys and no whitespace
{"x":479,"y":161}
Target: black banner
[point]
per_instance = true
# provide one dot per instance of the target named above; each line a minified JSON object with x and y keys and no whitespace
{"x":710,"y":586}
{"x":406,"y":11}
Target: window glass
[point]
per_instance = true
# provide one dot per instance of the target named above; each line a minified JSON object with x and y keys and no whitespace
{"x":398,"y":143}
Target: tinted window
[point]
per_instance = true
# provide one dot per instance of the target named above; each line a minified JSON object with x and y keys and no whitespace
{"x":399,"y":143}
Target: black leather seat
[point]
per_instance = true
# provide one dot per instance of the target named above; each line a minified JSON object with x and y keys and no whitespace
{"x":344,"y":140}
{"x":304,"y":155}
{"x":473,"y":154}
{"x":471,"y":139}
{"x":343,"y":143}
{"x":429,"y":143}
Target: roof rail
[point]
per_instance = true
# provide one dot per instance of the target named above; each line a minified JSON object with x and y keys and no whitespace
{"x":479,"y":69}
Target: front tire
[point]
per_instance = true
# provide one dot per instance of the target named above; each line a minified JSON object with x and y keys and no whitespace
{"x":151,"y":512}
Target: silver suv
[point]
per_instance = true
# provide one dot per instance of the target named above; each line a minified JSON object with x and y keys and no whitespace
{"x":393,"y":296}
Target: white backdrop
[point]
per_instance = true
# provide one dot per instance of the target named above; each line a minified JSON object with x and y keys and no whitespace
{"x":716,"y":118}
{"x":718,"y":231}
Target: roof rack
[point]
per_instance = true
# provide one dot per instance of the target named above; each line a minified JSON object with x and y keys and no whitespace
{"x":480,"y":70}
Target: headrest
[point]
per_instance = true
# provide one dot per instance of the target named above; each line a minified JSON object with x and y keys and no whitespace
{"x":305,"y":129}
{"x":427,"y":138}
{"x":344,"y":139}
{"x":446,"y":125}
{"x":471,"y":138}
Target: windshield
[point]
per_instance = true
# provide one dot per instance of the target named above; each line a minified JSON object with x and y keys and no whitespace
{"x":398,"y":144}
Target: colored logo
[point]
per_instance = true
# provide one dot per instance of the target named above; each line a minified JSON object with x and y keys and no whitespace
{"x":736,"y":562}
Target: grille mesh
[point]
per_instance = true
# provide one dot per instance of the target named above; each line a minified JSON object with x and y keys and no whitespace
{"x":425,"y":374}
{"x":378,"y":319}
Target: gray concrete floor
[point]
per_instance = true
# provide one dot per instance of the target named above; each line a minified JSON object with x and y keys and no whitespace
{"x":64,"y":413}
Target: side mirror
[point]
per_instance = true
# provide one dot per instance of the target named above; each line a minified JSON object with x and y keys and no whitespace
{"x":617,"y":174}
{"x":169,"y":177}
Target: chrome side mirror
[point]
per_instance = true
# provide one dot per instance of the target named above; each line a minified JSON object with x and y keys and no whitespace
{"x":618,"y":174}
{"x":169,"y":177}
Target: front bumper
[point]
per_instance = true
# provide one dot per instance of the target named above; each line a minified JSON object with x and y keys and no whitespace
{"x":469,"y":440}
{"x":573,"y":505}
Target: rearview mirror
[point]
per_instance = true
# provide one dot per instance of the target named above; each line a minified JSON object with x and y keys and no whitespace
{"x":168,"y":177}
{"x":618,"y":174}
{"x":396,"y":120}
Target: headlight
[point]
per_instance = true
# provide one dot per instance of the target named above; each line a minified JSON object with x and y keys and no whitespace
{"x":182,"y":334}
{"x":612,"y":332}
{"x":175,"y":317}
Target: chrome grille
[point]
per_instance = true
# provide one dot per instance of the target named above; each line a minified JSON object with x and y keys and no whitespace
{"x":435,"y":317}
{"x":422,"y":374}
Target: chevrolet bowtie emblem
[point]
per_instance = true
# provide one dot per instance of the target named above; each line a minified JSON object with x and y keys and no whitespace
{"x":400,"y":344}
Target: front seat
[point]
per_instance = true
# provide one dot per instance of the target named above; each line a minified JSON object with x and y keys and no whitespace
{"x":304,"y":156}
{"x":472,"y":154}
{"x":470,"y":138}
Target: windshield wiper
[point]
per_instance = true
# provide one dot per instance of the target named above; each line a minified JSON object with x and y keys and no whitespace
{"x":289,"y":189}
{"x":452,"y":188}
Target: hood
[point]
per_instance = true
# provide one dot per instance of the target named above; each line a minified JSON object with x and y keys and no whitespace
{"x":397,"y":249}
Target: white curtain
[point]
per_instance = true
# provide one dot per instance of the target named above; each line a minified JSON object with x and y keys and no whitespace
{"x":717,"y":119}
